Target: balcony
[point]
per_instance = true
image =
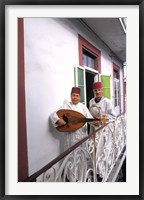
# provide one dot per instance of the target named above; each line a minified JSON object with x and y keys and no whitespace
{"x":96,"y":158}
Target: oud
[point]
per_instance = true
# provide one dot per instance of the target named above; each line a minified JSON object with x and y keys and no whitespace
{"x":75,"y":120}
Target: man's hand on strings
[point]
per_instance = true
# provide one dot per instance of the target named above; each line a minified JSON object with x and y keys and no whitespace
{"x":61,"y":122}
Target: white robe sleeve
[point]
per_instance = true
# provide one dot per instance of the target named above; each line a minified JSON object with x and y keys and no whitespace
{"x":87,"y":112}
{"x":54,"y":117}
{"x":110,"y":110}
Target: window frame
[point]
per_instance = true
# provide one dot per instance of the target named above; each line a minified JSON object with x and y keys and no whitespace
{"x":116,"y":68}
{"x":84,"y":44}
{"x":77,"y":81}
{"x":116,"y":97}
{"x":91,"y":56}
{"x":85,"y":69}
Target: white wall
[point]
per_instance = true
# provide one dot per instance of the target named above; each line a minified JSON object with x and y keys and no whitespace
{"x":51,"y":52}
{"x":50,"y":55}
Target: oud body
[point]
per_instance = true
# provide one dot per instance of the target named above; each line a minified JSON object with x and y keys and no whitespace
{"x":74,"y":120}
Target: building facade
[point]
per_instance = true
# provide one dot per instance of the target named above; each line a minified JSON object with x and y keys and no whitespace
{"x":55,"y":54}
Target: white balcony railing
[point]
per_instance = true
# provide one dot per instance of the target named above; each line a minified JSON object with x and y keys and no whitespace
{"x":93,"y":159}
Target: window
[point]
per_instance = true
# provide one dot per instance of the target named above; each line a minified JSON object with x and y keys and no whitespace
{"x":116,"y":86}
{"x":89,"y":60}
{"x":80,"y":82}
{"x":116,"y":91}
{"x":88,"y":68}
{"x":89,"y":55}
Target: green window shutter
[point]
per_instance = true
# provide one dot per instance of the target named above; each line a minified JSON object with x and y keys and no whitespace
{"x":106,"y":86}
{"x":81,"y":83}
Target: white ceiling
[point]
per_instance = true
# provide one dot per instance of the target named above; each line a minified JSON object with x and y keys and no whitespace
{"x":111,"y":32}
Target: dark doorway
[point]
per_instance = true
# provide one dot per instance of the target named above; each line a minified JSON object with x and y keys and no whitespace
{"x":89,"y":86}
{"x":89,"y":89}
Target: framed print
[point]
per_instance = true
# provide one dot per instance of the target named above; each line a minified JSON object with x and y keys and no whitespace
{"x":46,"y":48}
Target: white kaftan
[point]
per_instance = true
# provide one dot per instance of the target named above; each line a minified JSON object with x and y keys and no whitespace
{"x":73,"y":137}
{"x":104,"y":106}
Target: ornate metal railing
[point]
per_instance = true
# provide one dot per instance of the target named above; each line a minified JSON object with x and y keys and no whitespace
{"x":90,"y":160}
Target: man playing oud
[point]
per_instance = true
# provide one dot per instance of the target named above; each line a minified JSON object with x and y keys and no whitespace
{"x":75,"y":136}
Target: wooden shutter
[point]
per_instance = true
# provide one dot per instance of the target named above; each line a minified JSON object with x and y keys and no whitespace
{"x":80,"y":82}
{"x":106,"y":85}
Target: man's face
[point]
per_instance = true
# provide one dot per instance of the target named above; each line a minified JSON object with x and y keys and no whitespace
{"x":75,"y":98}
{"x":98,"y":93}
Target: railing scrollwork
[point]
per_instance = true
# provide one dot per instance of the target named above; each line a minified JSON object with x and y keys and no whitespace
{"x":93,"y":158}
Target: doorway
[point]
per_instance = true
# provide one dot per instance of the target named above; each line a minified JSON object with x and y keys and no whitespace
{"x":89,"y":86}
{"x":89,"y":89}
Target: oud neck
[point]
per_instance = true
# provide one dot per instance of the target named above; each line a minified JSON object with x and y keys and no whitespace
{"x":86,"y":119}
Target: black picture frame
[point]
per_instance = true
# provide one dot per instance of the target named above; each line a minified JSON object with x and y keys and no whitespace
{"x":3,"y":3}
